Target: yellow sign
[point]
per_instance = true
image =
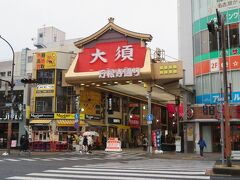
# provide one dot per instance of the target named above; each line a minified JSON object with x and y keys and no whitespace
{"x":168,"y":69}
{"x":46,"y":60}
{"x":67,"y":116}
{"x":43,"y":90}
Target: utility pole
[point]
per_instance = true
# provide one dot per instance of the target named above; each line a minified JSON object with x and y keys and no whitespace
{"x":12,"y":99}
{"x":221,"y":29}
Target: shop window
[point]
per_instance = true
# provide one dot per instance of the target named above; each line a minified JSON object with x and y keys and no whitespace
{"x":45,"y":76}
{"x":234,"y":35}
{"x":44,"y":104}
{"x":204,"y":42}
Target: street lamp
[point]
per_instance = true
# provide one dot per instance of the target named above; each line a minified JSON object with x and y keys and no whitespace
{"x":11,"y":83}
{"x":220,"y":28}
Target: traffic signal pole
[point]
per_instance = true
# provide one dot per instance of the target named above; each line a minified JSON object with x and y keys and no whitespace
{"x":226,"y":105}
{"x":221,"y":29}
{"x":149,"y":97}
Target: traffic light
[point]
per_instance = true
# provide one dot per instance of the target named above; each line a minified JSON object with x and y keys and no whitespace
{"x":177,"y":100}
{"x":28,"y":81}
{"x":211,"y":26}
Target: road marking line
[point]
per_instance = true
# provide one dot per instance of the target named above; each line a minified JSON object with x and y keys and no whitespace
{"x":135,"y":171}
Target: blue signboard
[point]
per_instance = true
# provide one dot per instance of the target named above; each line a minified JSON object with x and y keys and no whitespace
{"x":216,"y":98}
{"x":76,"y":116}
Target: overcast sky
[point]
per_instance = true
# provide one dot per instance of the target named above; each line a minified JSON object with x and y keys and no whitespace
{"x":20,"y":20}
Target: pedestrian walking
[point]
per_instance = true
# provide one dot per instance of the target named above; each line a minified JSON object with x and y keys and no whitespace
{"x":85,"y":144}
{"x":90,"y":144}
{"x":145,"y":143}
{"x":104,"y":141}
{"x":81,"y":148}
{"x":201,"y":144}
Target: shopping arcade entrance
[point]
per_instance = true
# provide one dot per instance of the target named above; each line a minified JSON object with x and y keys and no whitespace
{"x":130,"y":71}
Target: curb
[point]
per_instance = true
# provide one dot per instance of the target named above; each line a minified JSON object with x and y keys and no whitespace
{"x":234,"y":170}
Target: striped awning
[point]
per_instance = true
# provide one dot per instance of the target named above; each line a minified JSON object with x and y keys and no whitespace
{"x":40,"y":121}
{"x":68,"y":122}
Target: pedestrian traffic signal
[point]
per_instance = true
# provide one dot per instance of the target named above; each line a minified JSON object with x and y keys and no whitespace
{"x":28,"y":81}
{"x":211,"y":110}
{"x":205,"y":110}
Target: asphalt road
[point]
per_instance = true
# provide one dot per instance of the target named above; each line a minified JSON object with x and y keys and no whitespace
{"x":132,"y":166}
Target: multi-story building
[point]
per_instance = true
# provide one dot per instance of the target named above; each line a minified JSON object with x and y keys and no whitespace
{"x":202,"y":59}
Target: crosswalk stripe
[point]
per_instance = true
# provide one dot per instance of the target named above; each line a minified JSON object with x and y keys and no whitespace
{"x":34,"y":178}
{"x":57,"y":159}
{"x":135,"y":171}
{"x":140,"y":168}
{"x":84,"y":177}
{"x":112,"y":175}
{"x":12,"y":159}
{"x":26,"y":159}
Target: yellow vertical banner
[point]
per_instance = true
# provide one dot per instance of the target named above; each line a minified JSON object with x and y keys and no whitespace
{"x":46,"y":60}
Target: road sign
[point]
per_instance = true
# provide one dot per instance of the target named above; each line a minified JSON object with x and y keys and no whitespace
{"x":149,"y":117}
{"x":76,"y":116}
{"x":76,"y":125}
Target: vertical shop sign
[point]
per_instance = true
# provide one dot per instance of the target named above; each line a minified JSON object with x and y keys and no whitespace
{"x":158,"y":139}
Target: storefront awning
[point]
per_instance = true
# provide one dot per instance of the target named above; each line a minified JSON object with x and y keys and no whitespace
{"x":68,"y":122}
{"x":40,"y":121}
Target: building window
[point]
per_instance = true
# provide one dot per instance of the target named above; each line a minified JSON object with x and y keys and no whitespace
{"x":9,"y":73}
{"x":30,"y":59}
{"x":44,"y":104}
{"x":40,"y":35}
{"x":213,"y":42}
{"x":45,"y":76}
{"x":197,"y":44}
{"x":3,"y":74}
{"x":226,"y":39}
{"x":234,"y":35}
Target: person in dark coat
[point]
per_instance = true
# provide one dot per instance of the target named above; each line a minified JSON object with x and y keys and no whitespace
{"x":201,"y":144}
{"x":104,"y":141}
{"x":24,"y":143}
